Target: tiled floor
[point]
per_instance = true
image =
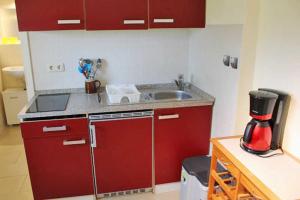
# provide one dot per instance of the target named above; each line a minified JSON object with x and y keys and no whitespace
{"x":14,"y":179}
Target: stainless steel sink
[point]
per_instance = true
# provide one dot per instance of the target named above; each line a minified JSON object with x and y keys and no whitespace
{"x":166,"y":95}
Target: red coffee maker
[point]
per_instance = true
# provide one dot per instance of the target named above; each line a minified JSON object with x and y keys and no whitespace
{"x":258,"y":133}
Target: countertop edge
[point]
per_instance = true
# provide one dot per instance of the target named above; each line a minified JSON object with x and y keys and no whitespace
{"x":204,"y":100}
{"x":129,"y":108}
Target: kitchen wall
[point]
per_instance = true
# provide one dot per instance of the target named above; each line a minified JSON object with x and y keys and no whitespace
{"x":8,"y":22}
{"x":143,"y":56}
{"x":152,"y":56}
{"x":10,"y":55}
{"x":1,"y":107}
{"x":278,"y":59}
{"x":268,"y":43}
{"x":206,"y":70}
{"x":225,"y":12}
{"x":247,"y":64}
{"x":29,"y":80}
{"x":146,"y":57}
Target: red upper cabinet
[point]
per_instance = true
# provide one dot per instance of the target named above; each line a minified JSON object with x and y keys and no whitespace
{"x":177,"y":13}
{"x":115,"y":14}
{"x":38,"y":15}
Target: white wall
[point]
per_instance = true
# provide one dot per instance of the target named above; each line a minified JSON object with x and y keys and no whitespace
{"x":278,"y":59}
{"x":247,"y":64}
{"x":28,"y":72}
{"x":206,"y":68}
{"x":225,"y":12}
{"x":1,"y":106}
{"x":8,"y":23}
{"x":9,"y":54}
{"x":151,"y":56}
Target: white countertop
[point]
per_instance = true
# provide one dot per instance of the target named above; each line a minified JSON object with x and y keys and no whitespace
{"x":281,"y":174}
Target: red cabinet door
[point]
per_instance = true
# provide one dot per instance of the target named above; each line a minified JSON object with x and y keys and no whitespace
{"x":115,"y":14}
{"x":38,"y":15}
{"x":179,"y":133}
{"x":177,"y":13}
{"x":59,"y":166}
{"x":123,"y":154}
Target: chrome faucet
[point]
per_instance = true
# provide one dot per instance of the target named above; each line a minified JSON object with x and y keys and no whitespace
{"x":180,"y":82}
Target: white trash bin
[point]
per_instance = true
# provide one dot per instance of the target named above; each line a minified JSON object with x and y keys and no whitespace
{"x":194,"y":178}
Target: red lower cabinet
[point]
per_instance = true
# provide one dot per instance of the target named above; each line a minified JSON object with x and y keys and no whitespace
{"x":59,"y":152}
{"x":59,"y":165}
{"x":123,"y":154}
{"x":179,"y":133}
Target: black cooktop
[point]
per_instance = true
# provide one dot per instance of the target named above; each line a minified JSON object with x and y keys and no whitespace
{"x":49,"y":102}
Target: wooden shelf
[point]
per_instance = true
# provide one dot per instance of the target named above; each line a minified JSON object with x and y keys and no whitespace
{"x":247,"y":197}
{"x":220,"y":196}
{"x":236,"y":183}
{"x":229,"y":190}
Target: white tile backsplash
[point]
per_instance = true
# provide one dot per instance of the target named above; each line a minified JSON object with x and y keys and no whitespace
{"x":147,"y":56}
{"x":143,"y":56}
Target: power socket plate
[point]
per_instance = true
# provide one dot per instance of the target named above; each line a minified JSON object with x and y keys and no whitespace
{"x":56,"y":68}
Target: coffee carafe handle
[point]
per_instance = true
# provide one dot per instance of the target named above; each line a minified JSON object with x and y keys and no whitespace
{"x":248,"y":131}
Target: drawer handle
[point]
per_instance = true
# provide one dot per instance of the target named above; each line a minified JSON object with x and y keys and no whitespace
{"x":72,"y":21}
{"x":163,"y":21}
{"x":13,"y":97}
{"x":75,"y":142}
{"x":164,"y":117}
{"x":54,"y":129}
{"x":134,"y":22}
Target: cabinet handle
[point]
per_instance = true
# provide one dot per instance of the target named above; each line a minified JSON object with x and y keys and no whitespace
{"x":75,"y":142}
{"x":73,"y":21}
{"x":54,"y":129}
{"x":163,"y":117}
{"x":13,"y":97}
{"x":93,"y":136}
{"x":163,"y":21}
{"x":134,"y":21}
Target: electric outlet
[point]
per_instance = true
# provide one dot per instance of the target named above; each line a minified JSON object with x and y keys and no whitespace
{"x":234,"y":62}
{"x":60,"y":68}
{"x":226,"y":60}
{"x":56,"y":68}
{"x":51,"y":68}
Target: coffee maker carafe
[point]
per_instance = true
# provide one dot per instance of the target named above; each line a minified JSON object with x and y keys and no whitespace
{"x":258,"y":133}
{"x":268,"y":109}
